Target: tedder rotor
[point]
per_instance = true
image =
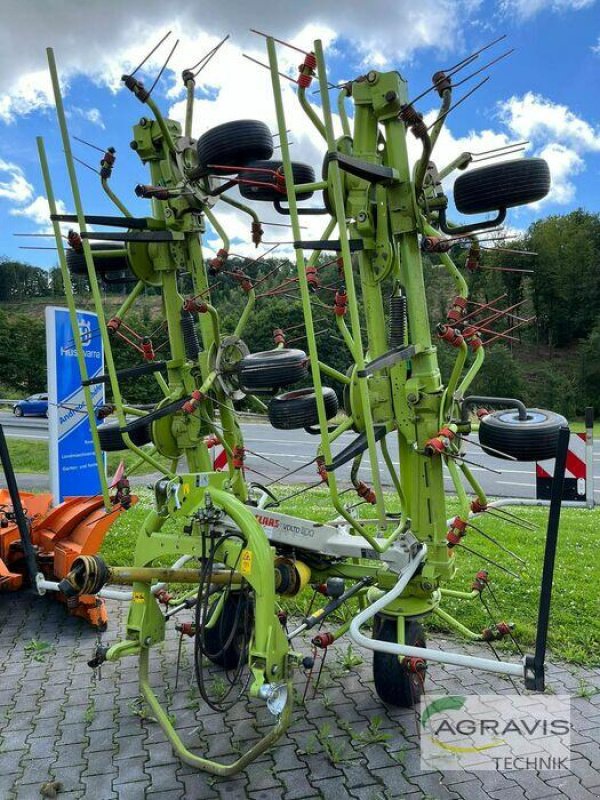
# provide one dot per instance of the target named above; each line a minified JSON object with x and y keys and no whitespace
{"x":237,"y":553}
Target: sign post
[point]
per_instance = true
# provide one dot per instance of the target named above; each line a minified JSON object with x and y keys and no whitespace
{"x":73,"y":466}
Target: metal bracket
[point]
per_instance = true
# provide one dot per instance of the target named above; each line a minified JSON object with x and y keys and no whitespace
{"x":388,"y":360}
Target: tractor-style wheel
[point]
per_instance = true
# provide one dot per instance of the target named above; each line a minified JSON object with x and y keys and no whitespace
{"x":299,"y":409}
{"x":272,"y":369}
{"x":106,"y":265}
{"x":111,"y":438}
{"x":226,"y":642}
{"x":234,"y":144}
{"x":532,"y":439}
{"x":302,"y":174}
{"x":501,"y":186}
{"x":394,"y":684}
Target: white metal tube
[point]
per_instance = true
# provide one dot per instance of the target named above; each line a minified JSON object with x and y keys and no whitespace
{"x":439,"y":656}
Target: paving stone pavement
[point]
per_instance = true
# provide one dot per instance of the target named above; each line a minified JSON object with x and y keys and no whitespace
{"x":59,"y":722}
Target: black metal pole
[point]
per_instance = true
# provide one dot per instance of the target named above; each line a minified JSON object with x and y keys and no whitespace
{"x":534,"y":672}
{"x":21,"y":519}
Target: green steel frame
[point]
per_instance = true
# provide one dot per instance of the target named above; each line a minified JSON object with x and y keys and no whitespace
{"x":407,"y":397}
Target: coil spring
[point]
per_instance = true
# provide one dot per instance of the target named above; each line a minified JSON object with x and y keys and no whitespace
{"x":190,"y":336}
{"x":397,"y":326}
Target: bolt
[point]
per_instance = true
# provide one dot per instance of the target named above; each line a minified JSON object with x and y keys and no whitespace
{"x":412,"y":398}
{"x":372,"y":76}
{"x":274,"y":670}
{"x":361,"y":216}
{"x":391,"y":96}
{"x":134,"y":145}
{"x":168,"y":212}
{"x":148,"y":641}
{"x":143,"y":122}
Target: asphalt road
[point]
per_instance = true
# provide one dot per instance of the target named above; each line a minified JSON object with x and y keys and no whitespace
{"x":284,"y":451}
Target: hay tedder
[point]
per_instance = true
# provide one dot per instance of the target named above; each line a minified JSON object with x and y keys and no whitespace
{"x":227,"y":549}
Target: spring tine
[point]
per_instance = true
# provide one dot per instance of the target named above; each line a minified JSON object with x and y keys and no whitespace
{"x":162,"y":69}
{"x":154,"y":49}
{"x":302,"y":491}
{"x":448,"y":73}
{"x":292,"y":472}
{"x":85,"y":164}
{"x":178,"y":660}
{"x":508,"y":330}
{"x":264,"y":458}
{"x":266,"y":66}
{"x":474,"y":55}
{"x":459,"y":102}
{"x":316,"y":683}
{"x":89,"y":144}
{"x":508,"y":269}
{"x":493,"y":596}
{"x":500,"y":313}
{"x":474,"y":463}
{"x":485,"y":66}
{"x":499,"y":149}
{"x":502,"y":510}
{"x":497,"y":543}
{"x":487,"y":447}
{"x":497,"y":155}
{"x":497,"y":333}
{"x":281,"y":224}
{"x":524,"y":525}
{"x":41,"y":235}
{"x":206,"y":58}
{"x":31,"y":247}
{"x":489,"y":560}
{"x":482,"y":307}
{"x":279,"y":41}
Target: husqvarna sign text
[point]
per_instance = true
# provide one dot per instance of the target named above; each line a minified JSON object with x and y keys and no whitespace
{"x":73,"y":469}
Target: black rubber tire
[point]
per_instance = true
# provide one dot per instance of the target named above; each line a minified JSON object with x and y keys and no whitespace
{"x":505,"y":185}
{"x":394,"y":684}
{"x":220,"y":644}
{"x":533,"y":439}
{"x":18,"y":411}
{"x":104,"y":266}
{"x":272,"y":369}
{"x":302,"y":174}
{"x":235,"y":144}
{"x":111,"y":439}
{"x":298,"y":409}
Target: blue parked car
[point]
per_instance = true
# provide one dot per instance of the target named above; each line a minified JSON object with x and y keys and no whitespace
{"x":34,"y":406}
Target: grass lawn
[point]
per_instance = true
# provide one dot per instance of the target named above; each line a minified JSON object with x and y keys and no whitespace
{"x":575,"y":625}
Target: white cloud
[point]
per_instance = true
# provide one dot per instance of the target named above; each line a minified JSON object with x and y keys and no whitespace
{"x":564,"y":165}
{"x":15,"y":187}
{"x":533,"y":116}
{"x":596,"y":47}
{"x":526,"y":9}
{"x":101,"y":40}
{"x":38,"y":213}
{"x":91,"y":115}
{"x":28,"y":92}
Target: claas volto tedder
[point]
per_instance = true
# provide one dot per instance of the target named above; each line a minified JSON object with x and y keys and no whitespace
{"x":235,"y":553}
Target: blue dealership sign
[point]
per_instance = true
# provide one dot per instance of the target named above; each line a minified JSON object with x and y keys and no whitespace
{"x":73,"y":467}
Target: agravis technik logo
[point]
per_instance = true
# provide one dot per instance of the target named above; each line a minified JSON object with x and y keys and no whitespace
{"x":495,"y":732}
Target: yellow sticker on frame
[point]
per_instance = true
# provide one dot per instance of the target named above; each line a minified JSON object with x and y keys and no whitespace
{"x":246,"y":562}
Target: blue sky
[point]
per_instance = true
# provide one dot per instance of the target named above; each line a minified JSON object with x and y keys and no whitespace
{"x":546,"y":91}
